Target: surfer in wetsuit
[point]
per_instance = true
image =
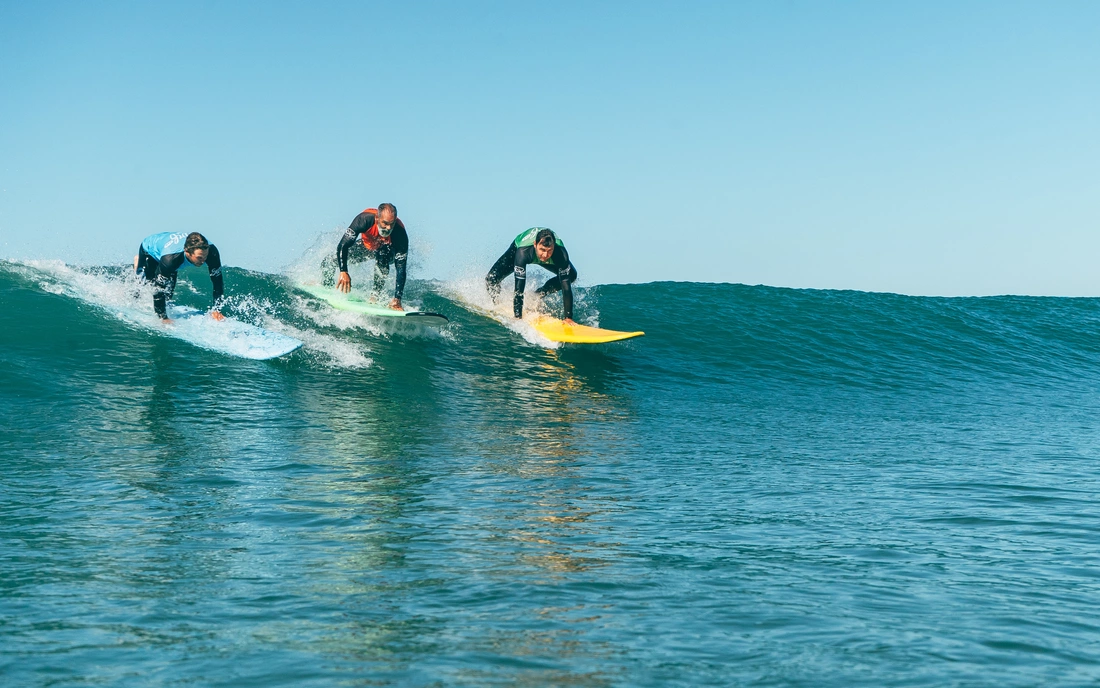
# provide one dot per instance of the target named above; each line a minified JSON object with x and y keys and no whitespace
{"x":159,"y":258}
{"x":541,"y":246}
{"x":375,"y":233}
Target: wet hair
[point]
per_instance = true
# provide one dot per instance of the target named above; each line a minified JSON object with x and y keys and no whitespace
{"x":545,"y":237}
{"x":383,"y":207}
{"x":195,"y":241}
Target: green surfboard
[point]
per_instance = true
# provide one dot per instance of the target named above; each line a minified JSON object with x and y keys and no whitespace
{"x":356,"y":304}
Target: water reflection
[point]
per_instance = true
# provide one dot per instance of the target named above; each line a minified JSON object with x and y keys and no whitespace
{"x":412,"y":512}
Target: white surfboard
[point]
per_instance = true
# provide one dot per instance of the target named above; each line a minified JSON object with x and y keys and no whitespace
{"x":228,"y":336}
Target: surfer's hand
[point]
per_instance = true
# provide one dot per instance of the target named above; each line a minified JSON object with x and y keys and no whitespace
{"x":569,"y":321}
{"x":344,"y":283}
{"x":216,"y":315}
{"x":396,"y":304}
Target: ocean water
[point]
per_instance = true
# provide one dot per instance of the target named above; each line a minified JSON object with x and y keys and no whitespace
{"x":773,"y":487}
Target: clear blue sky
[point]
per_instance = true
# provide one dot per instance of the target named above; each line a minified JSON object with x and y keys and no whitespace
{"x":922,"y":147}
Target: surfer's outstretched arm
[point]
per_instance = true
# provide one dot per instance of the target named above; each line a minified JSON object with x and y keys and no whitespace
{"x":350,"y":237}
{"x":217,"y":283}
{"x":567,"y":296}
{"x":521,"y":284}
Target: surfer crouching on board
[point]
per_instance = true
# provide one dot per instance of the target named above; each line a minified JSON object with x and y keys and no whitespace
{"x":541,"y":246}
{"x":160,"y":257}
{"x":375,"y":233}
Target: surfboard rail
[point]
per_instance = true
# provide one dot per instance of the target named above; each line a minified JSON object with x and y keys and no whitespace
{"x":558,"y":331}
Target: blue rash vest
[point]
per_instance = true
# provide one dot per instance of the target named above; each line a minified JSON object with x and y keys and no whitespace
{"x":160,"y":245}
{"x":161,"y":256}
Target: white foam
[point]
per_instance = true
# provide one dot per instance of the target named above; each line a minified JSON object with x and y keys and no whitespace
{"x":334,"y":352}
{"x":98,"y":286}
{"x":325,"y":349}
{"x":125,"y":297}
{"x":307,"y":269}
{"x":470,"y":290}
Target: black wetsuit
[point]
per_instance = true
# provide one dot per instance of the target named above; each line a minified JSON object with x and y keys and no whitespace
{"x":393,"y":248}
{"x":519,"y":255}
{"x":163,"y":259}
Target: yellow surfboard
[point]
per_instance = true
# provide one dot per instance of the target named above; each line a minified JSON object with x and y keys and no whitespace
{"x":557,"y":331}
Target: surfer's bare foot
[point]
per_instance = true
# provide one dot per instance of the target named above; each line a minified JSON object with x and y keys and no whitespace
{"x":216,"y":315}
{"x":166,"y":321}
{"x":396,"y":304}
{"x":569,"y":321}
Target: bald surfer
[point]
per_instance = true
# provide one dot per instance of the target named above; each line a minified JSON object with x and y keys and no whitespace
{"x":379,"y":234}
{"x":159,"y":258}
{"x":540,"y":246}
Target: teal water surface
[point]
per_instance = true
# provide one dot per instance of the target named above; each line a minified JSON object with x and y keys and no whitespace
{"x":772,"y":487}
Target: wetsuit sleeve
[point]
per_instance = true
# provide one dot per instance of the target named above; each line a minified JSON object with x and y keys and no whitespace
{"x":165,"y":282}
{"x":361,"y":223}
{"x":561,"y":262}
{"x":400,"y":257}
{"x":523,"y":258}
{"x":214,"y":264}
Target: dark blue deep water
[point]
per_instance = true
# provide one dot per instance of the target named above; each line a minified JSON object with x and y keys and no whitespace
{"x":773,"y":487}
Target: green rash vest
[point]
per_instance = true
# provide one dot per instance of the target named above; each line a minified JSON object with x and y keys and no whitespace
{"x":526,"y":238}
{"x":525,"y":254}
{"x":521,"y":253}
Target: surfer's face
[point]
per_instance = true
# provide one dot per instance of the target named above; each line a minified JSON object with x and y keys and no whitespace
{"x":385,"y":224}
{"x":544,"y":251}
{"x":197,"y":256}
